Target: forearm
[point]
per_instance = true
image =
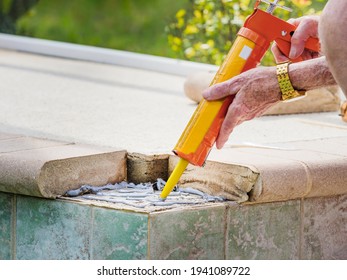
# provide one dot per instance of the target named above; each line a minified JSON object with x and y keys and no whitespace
{"x":311,"y":74}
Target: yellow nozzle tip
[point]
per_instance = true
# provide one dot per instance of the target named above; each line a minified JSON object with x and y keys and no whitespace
{"x":174,"y":177}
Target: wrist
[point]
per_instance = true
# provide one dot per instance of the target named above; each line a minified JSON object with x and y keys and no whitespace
{"x":310,"y":74}
{"x":288,"y":91}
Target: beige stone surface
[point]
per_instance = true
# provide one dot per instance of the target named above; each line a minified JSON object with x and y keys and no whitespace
{"x":4,"y":136}
{"x":146,"y":168}
{"x":290,"y":171}
{"x":325,"y":168}
{"x":196,"y":83}
{"x":45,"y":168}
{"x":318,"y":100}
{"x":22,"y":143}
{"x":233,"y":182}
{"x":279,"y":179}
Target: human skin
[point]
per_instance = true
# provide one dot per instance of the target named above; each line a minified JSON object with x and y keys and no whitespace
{"x":307,"y":27}
{"x":332,"y":31}
{"x":258,"y":89}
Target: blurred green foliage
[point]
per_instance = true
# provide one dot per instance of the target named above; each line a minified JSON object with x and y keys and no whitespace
{"x":132,"y":25}
{"x":206,"y":30}
{"x":11,"y":11}
{"x":197,"y":30}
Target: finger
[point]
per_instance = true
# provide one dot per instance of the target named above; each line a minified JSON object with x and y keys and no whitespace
{"x":315,"y":55}
{"x":305,"y":30}
{"x":232,"y":118}
{"x":223,"y":89}
{"x":297,"y":47}
{"x":279,"y":56}
{"x":306,"y":55}
{"x":294,"y":21}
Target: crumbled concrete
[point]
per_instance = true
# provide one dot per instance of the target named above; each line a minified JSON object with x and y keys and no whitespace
{"x":279,"y":179}
{"x":231,"y":181}
{"x":146,"y":168}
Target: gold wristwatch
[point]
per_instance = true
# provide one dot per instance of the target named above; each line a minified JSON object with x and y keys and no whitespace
{"x":287,"y":90}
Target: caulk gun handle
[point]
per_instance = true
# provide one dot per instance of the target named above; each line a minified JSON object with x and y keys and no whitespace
{"x":311,"y":44}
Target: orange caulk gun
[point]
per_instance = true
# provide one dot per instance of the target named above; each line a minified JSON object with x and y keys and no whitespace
{"x":253,"y":40}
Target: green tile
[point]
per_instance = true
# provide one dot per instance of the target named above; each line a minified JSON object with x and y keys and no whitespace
{"x":119,"y":235}
{"x":188,"y":233}
{"x":52,"y":229}
{"x":6,"y":203}
{"x":264,"y":231}
{"x":325,"y":228}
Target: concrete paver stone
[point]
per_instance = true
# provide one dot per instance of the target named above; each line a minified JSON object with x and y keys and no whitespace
{"x":47,"y":168}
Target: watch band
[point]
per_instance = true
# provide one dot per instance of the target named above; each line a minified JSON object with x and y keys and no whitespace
{"x":287,"y":90}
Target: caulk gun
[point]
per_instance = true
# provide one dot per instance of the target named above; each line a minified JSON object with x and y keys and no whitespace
{"x":253,"y":40}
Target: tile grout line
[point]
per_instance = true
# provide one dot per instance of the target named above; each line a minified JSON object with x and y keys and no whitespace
{"x":226,"y":230}
{"x":301,"y":232}
{"x":14,"y":227}
{"x":309,"y":179}
{"x":91,"y":234}
{"x":37,"y":148}
{"x":302,"y":199}
{"x":148,"y":236}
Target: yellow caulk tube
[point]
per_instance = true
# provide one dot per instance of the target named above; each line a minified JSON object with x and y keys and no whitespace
{"x":202,"y":130}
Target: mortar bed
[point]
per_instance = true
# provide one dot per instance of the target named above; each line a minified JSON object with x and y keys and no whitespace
{"x":143,"y":197}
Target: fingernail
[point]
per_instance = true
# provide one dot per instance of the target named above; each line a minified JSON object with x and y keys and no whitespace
{"x":293,"y":53}
{"x":220,"y":143}
{"x":206,"y":94}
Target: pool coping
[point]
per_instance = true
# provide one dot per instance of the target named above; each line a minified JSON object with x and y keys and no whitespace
{"x":45,"y":168}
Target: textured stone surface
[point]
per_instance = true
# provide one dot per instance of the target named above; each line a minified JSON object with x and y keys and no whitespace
{"x":318,"y":100}
{"x":280,"y":178}
{"x":191,"y":234}
{"x":325,"y":228}
{"x":52,"y":229}
{"x":39,"y":167}
{"x":233,"y":182}
{"x":146,"y":168}
{"x":5,"y":136}
{"x":266,"y":231}
{"x":6,"y":225}
{"x":19,"y":144}
{"x":322,"y":171}
{"x":119,"y":235}
{"x":93,"y":103}
{"x":195,"y":84}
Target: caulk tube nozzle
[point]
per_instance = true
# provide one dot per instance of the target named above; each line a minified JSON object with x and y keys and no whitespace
{"x":174,"y":177}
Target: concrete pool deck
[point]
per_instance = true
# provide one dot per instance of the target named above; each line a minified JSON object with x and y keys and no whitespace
{"x":86,"y":120}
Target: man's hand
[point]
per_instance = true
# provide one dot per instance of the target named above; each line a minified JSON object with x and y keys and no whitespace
{"x":257,"y":90}
{"x":307,"y":27}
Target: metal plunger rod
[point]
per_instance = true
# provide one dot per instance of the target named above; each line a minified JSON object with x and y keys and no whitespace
{"x":272,"y":6}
